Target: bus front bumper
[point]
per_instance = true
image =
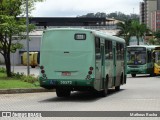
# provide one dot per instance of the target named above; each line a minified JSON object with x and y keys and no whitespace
{"x":136,"y":71}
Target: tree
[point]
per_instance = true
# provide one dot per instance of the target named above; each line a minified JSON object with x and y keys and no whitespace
{"x":156,"y":39}
{"x":123,"y":17}
{"x":124,"y":30}
{"x":12,"y":28}
{"x":100,"y":15}
{"x":116,"y":15}
{"x":132,"y":28}
{"x":152,"y":41}
{"x":138,"y":30}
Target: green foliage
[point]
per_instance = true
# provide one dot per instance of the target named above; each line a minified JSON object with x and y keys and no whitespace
{"x":115,"y":15}
{"x":157,"y":34}
{"x":156,"y":39}
{"x":123,"y":17}
{"x":152,"y":41}
{"x":29,"y":79}
{"x":124,"y":30}
{"x":17,"y":75}
{"x":16,"y":7}
{"x":2,"y":70}
{"x":132,"y":28}
{"x":20,"y":76}
{"x":11,"y":25}
{"x":25,"y":78}
{"x":15,"y":46}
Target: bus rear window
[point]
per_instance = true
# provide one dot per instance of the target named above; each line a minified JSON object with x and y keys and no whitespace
{"x":79,"y":36}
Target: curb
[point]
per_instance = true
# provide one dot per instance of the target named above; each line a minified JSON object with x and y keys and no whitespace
{"x":15,"y":91}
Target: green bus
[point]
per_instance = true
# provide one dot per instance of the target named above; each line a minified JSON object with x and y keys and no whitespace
{"x":73,"y":59}
{"x":140,"y":59}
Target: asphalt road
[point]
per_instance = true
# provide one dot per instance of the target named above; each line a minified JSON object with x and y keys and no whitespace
{"x":139,"y":94}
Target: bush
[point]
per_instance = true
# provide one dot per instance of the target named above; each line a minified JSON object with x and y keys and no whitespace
{"x":29,"y":79}
{"x":20,"y":76}
{"x":17,"y":75}
{"x":2,"y":70}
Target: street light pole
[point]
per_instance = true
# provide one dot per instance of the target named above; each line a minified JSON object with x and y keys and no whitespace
{"x":27,"y":37}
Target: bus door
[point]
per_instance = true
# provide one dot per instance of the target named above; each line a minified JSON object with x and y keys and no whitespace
{"x":102,"y":63}
{"x":99,"y":54}
{"x":114,"y":64}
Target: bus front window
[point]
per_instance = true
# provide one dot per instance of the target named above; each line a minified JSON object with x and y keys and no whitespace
{"x":136,"y":57}
{"x":157,"y":57}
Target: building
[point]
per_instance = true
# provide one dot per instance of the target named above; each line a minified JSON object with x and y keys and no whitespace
{"x":158,"y":4}
{"x":149,"y":13}
{"x":104,"y":24}
{"x":142,"y":12}
{"x":155,"y":20}
{"x":146,"y":8}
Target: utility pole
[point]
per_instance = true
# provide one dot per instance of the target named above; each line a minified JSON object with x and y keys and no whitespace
{"x":27,"y":37}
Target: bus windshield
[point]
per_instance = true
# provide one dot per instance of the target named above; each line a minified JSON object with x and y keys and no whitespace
{"x":136,"y":57}
{"x":157,"y":57}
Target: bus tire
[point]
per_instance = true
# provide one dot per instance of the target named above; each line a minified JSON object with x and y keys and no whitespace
{"x":104,"y":92}
{"x":152,"y":73}
{"x":133,"y":75}
{"x":117,"y":88}
{"x":61,"y":92}
{"x":33,"y":66}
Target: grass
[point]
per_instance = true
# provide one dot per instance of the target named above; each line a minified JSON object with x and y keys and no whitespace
{"x":9,"y":83}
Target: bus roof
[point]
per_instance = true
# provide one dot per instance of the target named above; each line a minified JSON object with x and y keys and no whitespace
{"x":146,"y":46}
{"x":95,"y":33}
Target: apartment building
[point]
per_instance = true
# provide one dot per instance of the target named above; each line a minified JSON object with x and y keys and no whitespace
{"x":155,"y":20}
{"x":150,"y":14}
{"x":146,"y":8}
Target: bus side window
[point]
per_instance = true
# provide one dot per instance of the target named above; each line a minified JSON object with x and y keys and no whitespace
{"x":117,"y":50}
{"x":121,"y":51}
{"x":108,"y":49}
{"x":97,"y":48}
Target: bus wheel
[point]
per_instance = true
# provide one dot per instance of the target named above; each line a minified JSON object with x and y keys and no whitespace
{"x":33,"y":66}
{"x":117,"y":88}
{"x":104,"y":92}
{"x":133,"y":75}
{"x":152,"y":73}
{"x":61,"y":92}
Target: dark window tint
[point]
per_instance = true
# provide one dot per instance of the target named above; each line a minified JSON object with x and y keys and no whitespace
{"x":80,"y":36}
{"x":97,"y":48}
{"x":108,"y":50}
{"x":120,"y":51}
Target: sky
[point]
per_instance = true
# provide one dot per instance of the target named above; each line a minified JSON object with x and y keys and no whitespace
{"x":74,"y":8}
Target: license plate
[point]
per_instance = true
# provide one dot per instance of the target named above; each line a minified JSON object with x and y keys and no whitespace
{"x":66,"y":82}
{"x":66,"y":73}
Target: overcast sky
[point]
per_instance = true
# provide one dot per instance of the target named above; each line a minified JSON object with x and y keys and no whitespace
{"x":73,"y":8}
